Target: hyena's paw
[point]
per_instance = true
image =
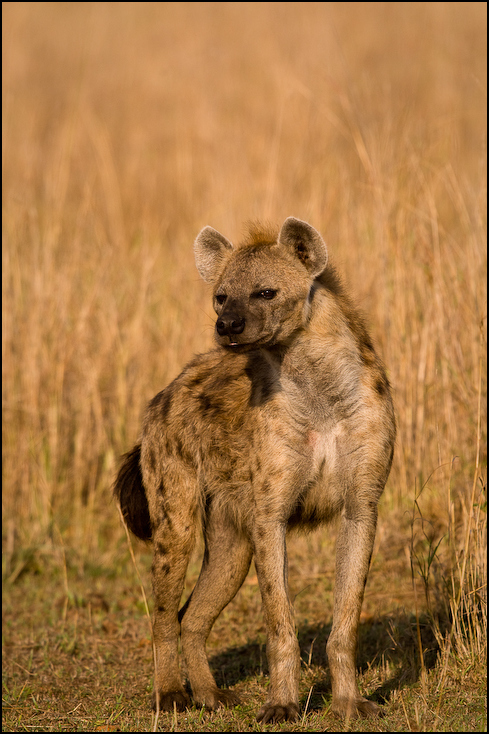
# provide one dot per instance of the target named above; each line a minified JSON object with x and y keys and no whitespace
{"x":354,"y":708}
{"x":217,"y":698}
{"x":272,"y":713}
{"x":168,"y":700}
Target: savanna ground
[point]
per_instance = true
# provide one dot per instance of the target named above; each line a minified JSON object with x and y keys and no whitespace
{"x":126,"y":128}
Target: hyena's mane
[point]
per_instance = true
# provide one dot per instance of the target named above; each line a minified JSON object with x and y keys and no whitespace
{"x":258,"y":234}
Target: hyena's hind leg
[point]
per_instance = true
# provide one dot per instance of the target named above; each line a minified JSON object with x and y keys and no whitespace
{"x":174,"y":513}
{"x":226,"y":562}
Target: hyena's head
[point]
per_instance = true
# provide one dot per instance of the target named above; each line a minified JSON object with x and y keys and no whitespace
{"x":263,"y":287}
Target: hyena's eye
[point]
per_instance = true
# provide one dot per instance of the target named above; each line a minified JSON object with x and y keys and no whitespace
{"x":221,"y":298}
{"x":268,"y":294}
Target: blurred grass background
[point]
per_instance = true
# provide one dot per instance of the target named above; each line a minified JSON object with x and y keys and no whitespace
{"x":126,"y":128}
{"x":129,"y":126}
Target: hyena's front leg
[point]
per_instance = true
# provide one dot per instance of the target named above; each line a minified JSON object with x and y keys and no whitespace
{"x":173,"y":541}
{"x":353,"y":551}
{"x":282,"y":646}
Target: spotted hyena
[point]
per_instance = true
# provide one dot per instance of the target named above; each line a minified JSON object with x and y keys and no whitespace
{"x":287,"y":423}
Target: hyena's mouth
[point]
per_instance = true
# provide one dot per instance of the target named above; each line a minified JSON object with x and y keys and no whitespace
{"x":241,"y":343}
{"x":244,"y":346}
{"x":235,"y":346}
{"x":232,"y":346}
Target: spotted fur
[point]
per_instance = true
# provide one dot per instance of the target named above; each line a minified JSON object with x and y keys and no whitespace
{"x":287,"y":423}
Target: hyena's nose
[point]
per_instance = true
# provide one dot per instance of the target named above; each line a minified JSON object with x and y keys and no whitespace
{"x":228,"y":324}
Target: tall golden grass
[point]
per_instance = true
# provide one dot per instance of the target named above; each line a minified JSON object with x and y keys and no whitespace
{"x":129,"y":126}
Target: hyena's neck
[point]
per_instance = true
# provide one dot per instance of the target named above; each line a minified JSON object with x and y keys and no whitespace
{"x":328,"y":347}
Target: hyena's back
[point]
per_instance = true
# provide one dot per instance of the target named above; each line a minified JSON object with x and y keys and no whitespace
{"x":198,"y":425}
{"x":203,"y":429}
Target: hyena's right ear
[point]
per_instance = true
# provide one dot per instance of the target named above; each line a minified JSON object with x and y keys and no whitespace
{"x":211,"y":249}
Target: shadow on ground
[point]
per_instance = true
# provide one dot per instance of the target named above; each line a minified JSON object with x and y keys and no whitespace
{"x":391,"y":643}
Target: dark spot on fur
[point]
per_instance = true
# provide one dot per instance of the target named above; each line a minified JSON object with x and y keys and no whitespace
{"x":197,"y":380}
{"x":226,"y":475}
{"x":261,"y":532}
{"x":263,"y":380}
{"x":205,"y":402}
{"x":165,"y":519}
{"x":183,"y":453}
{"x":367,"y":351}
{"x":391,"y":456}
{"x":367,"y":356}
{"x":165,"y":403}
{"x":336,"y":398}
{"x":220,"y":382}
{"x":208,"y":405}
{"x":381,"y":386}
{"x":151,"y":460}
{"x":161,"y":403}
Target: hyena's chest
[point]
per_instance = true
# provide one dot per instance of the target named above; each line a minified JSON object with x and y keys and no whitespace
{"x":252,"y":431}
{"x":308,"y":449}
{"x":273,"y":462}
{"x":297,"y":442}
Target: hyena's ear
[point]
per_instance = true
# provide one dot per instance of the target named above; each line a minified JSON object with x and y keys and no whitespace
{"x":211,"y":249}
{"x":305,"y":243}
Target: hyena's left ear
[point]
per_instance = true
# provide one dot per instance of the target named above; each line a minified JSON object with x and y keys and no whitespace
{"x":211,"y":250}
{"x":305,"y":243}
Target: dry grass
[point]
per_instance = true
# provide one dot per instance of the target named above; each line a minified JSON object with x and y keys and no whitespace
{"x":129,"y":126}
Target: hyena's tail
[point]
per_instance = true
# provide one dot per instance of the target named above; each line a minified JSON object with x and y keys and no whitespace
{"x":130,"y":494}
